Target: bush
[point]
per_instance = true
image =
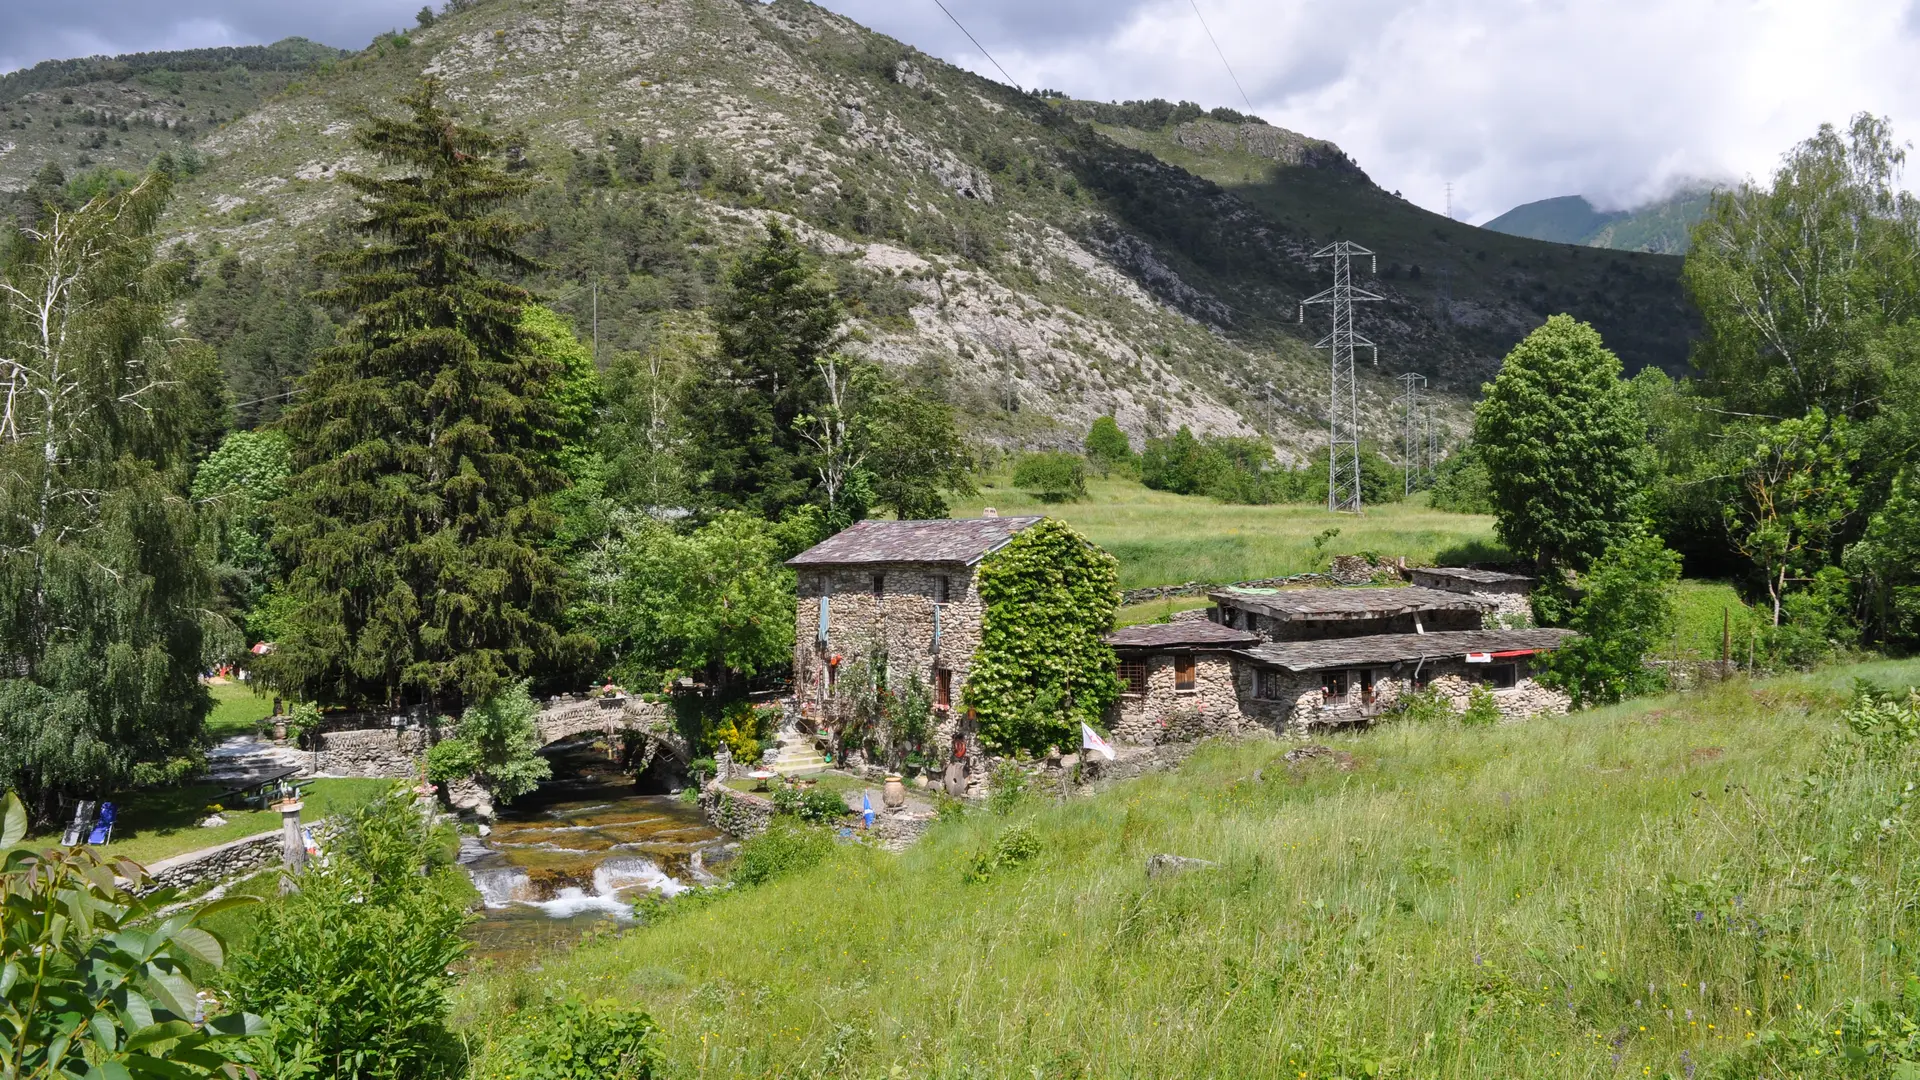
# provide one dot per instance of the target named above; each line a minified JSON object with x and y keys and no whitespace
{"x":1626,"y":612}
{"x":1052,"y":476}
{"x":816,"y":806}
{"x":572,"y":1039}
{"x":353,"y":971}
{"x":1107,"y":445}
{"x":1482,"y":711}
{"x":1460,"y":484}
{"x":785,"y":848}
{"x":1007,"y":787}
{"x":69,"y":988}
{"x":1422,"y":707}
{"x":501,"y":741}
{"x":1015,"y":847}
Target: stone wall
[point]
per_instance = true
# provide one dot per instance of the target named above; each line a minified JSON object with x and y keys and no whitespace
{"x":228,"y":860}
{"x":899,"y":623}
{"x":736,"y":813}
{"x":377,"y":752}
{"x":1164,"y":714}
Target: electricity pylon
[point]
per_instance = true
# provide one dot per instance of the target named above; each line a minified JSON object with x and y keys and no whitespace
{"x":1343,"y":418}
{"x":1410,"y":434}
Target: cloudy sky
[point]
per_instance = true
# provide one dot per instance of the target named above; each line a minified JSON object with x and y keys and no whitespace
{"x":1507,"y":100}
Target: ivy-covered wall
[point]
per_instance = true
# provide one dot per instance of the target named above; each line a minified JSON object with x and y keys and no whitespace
{"x":1043,"y":666}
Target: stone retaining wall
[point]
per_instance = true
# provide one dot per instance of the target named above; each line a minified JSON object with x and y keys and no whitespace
{"x":235,"y":858}
{"x":736,"y":813}
{"x":387,"y":753}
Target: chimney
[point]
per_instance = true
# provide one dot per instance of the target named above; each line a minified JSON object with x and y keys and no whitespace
{"x":989,"y":512}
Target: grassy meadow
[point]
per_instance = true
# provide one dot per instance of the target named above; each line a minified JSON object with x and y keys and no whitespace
{"x":1640,"y":891}
{"x":1166,"y":539}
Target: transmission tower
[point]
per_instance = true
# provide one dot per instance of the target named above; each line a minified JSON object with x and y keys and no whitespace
{"x":1343,"y":419}
{"x":1449,"y":200}
{"x":1411,"y":442}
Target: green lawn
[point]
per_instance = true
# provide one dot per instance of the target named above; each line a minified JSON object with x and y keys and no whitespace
{"x":1166,"y":539}
{"x":237,"y":710}
{"x":162,"y":822}
{"x":1638,"y":891}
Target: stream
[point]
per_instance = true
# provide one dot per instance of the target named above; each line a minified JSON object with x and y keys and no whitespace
{"x":578,"y":852}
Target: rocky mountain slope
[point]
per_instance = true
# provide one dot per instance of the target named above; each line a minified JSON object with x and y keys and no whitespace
{"x":1663,"y":226}
{"x":119,"y":112}
{"x":1041,"y":267}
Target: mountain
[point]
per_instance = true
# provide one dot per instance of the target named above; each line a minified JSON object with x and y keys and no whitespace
{"x":1484,"y":290}
{"x":1664,"y":226}
{"x":1041,"y":261}
{"x":119,"y":112}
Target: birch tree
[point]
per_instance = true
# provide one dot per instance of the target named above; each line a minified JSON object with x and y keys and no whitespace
{"x":103,"y":594}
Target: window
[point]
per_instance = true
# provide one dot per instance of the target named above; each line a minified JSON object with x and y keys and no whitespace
{"x":942,"y":688}
{"x":1183,"y":671}
{"x":940,"y":588}
{"x":1133,"y":675}
{"x":1333,"y":685}
{"x":879,"y":584}
{"x":1269,"y":685}
{"x":1366,"y":687}
{"x":1498,"y":676}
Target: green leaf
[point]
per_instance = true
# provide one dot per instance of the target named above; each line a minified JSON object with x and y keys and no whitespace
{"x":172,"y":1029}
{"x":15,"y":827}
{"x":200,"y":945}
{"x":236,"y":1024}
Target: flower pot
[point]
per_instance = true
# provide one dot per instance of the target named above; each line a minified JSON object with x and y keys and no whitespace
{"x":894,"y":795}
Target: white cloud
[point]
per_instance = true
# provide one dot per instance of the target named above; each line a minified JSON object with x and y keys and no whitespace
{"x":1509,"y":100}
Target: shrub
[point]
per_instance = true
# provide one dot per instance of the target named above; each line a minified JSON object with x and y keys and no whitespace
{"x":353,"y":970}
{"x":786,"y":847}
{"x":1626,"y":612}
{"x":1052,"y":476}
{"x":821,"y":806}
{"x":1018,"y":845}
{"x":105,"y":994}
{"x":1422,"y":707}
{"x":572,"y":1039}
{"x":1107,"y":445}
{"x":1007,"y":787}
{"x":1481,"y":708}
{"x":501,"y":745}
{"x":1460,"y":484}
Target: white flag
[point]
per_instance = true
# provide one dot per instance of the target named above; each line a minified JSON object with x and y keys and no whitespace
{"x":1091,"y":740}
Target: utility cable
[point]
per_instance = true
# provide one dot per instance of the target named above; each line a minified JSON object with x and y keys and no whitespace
{"x":977,"y":45}
{"x":1217,"y":51}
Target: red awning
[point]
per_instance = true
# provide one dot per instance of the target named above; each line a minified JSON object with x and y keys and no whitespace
{"x":1511,"y":653}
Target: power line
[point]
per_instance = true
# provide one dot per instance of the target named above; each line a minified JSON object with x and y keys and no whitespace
{"x":977,"y":45}
{"x":1222,"y":55}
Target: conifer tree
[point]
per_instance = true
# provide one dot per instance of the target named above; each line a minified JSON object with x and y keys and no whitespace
{"x":426,"y":443}
{"x":102,"y":588}
{"x":776,"y":322}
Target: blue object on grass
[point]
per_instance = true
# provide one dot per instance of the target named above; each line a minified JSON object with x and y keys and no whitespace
{"x":103,"y":825}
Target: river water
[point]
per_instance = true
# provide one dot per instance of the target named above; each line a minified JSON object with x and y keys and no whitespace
{"x":579,"y":851}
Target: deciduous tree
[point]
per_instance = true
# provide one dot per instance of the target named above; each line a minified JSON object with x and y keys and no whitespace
{"x":1563,"y":447}
{"x":103,"y":590}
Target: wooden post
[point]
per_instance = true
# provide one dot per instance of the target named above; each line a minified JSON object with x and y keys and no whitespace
{"x":293,"y":847}
{"x":1726,"y":641}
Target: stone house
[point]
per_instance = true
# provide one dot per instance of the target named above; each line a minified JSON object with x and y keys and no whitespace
{"x":1506,"y":594}
{"x":907,"y":591}
{"x":1177,"y":681}
{"x":1346,"y":655}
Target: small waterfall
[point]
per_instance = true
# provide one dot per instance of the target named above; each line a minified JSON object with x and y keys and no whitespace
{"x":501,"y":887}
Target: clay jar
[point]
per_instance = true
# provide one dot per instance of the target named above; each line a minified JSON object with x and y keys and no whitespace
{"x":894,"y":795}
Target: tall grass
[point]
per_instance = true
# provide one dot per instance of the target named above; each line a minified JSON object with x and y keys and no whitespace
{"x":1166,"y":539}
{"x":1515,"y":901}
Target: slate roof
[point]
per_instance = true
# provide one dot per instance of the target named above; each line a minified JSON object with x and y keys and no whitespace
{"x":1192,"y":633}
{"x":1472,"y":576}
{"x":1331,"y":604}
{"x":964,"y":541}
{"x":1399,"y":648}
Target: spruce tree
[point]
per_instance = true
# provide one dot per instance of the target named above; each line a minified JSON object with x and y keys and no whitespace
{"x":776,"y":322}
{"x":102,"y":587}
{"x":425,"y":443}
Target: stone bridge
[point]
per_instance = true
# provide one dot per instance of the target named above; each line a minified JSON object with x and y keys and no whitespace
{"x":571,"y":717}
